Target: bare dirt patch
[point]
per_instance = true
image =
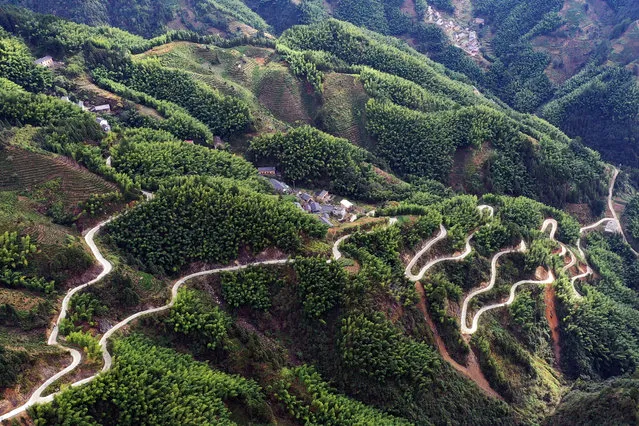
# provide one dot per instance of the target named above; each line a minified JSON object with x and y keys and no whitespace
{"x":472,"y":370}
{"x":553,"y":322}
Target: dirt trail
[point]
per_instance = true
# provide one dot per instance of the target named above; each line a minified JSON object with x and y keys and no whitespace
{"x":553,"y":322}
{"x":472,"y":371}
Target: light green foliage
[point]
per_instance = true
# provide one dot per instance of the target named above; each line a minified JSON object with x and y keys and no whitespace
{"x":83,"y":307}
{"x":372,"y":347}
{"x":151,"y":385}
{"x":19,"y":106}
{"x":89,"y":344}
{"x":14,"y":258}
{"x":250,"y":287}
{"x":357,"y":47}
{"x":177,"y":119}
{"x":192,"y":317}
{"x":301,"y":66}
{"x":151,"y":163}
{"x":16,"y":64}
{"x":97,"y":204}
{"x":538,"y":254}
{"x":439,"y":291}
{"x":521,"y":212}
{"x":309,"y":399}
{"x":208,"y":219}
{"x":403,"y":92}
{"x":224,"y":115}
{"x":492,"y":237}
{"x":600,"y":332}
{"x":320,"y":284}
{"x":307,"y":155}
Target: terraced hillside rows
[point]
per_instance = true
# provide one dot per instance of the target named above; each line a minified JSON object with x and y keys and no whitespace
{"x":24,"y":169}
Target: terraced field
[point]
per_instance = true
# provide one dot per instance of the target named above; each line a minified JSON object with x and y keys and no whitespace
{"x":23,"y":169}
{"x":283,"y":95}
{"x":344,"y":108}
{"x":218,"y":68}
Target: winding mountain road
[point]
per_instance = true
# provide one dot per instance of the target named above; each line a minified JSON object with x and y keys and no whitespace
{"x":36,"y":397}
{"x":440,"y":236}
{"x":107,"y":267}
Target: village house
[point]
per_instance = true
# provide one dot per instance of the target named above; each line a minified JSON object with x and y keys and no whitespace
{"x":347,"y":204}
{"x":322,"y":196}
{"x":280,"y":187}
{"x":326,"y":221}
{"x":267,"y":171}
{"x":305,"y":197}
{"x":46,"y":61}
{"x":314,"y":207}
{"x":101,"y":108}
{"x":104,"y":125}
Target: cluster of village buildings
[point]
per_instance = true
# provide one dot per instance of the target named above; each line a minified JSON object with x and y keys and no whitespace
{"x":321,"y":203}
{"x":463,"y":38}
{"x":48,"y":62}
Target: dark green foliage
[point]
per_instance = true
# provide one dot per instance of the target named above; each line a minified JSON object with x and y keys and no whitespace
{"x":495,"y":375}
{"x":372,"y":347}
{"x":363,"y":13}
{"x":320,"y":284}
{"x":12,"y":364}
{"x":208,"y":219}
{"x":602,"y":110}
{"x":406,"y":377}
{"x":381,"y":273}
{"x":200,"y":323}
{"x":632,"y":214}
{"x":143,"y":17}
{"x":151,"y":163}
{"x":249,"y":287}
{"x":439,"y":291}
{"x":151,"y":385}
{"x":518,"y":75}
{"x":614,"y":402}
{"x":309,"y":399}
{"x":306,"y":155}
{"x":600,"y":332}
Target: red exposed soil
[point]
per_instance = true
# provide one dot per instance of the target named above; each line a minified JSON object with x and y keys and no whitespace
{"x":472,"y":370}
{"x":408,"y":7}
{"x":553,"y":322}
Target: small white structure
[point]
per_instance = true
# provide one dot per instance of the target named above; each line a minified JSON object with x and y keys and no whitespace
{"x":611,"y":227}
{"x":46,"y":61}
{"x":101,"y":108}
{"x":104,"y":125}
{"x":346,"y":204}
{"x":65,"y":98}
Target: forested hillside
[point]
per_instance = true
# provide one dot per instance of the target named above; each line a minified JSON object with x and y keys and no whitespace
{"x":274,"y":212}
